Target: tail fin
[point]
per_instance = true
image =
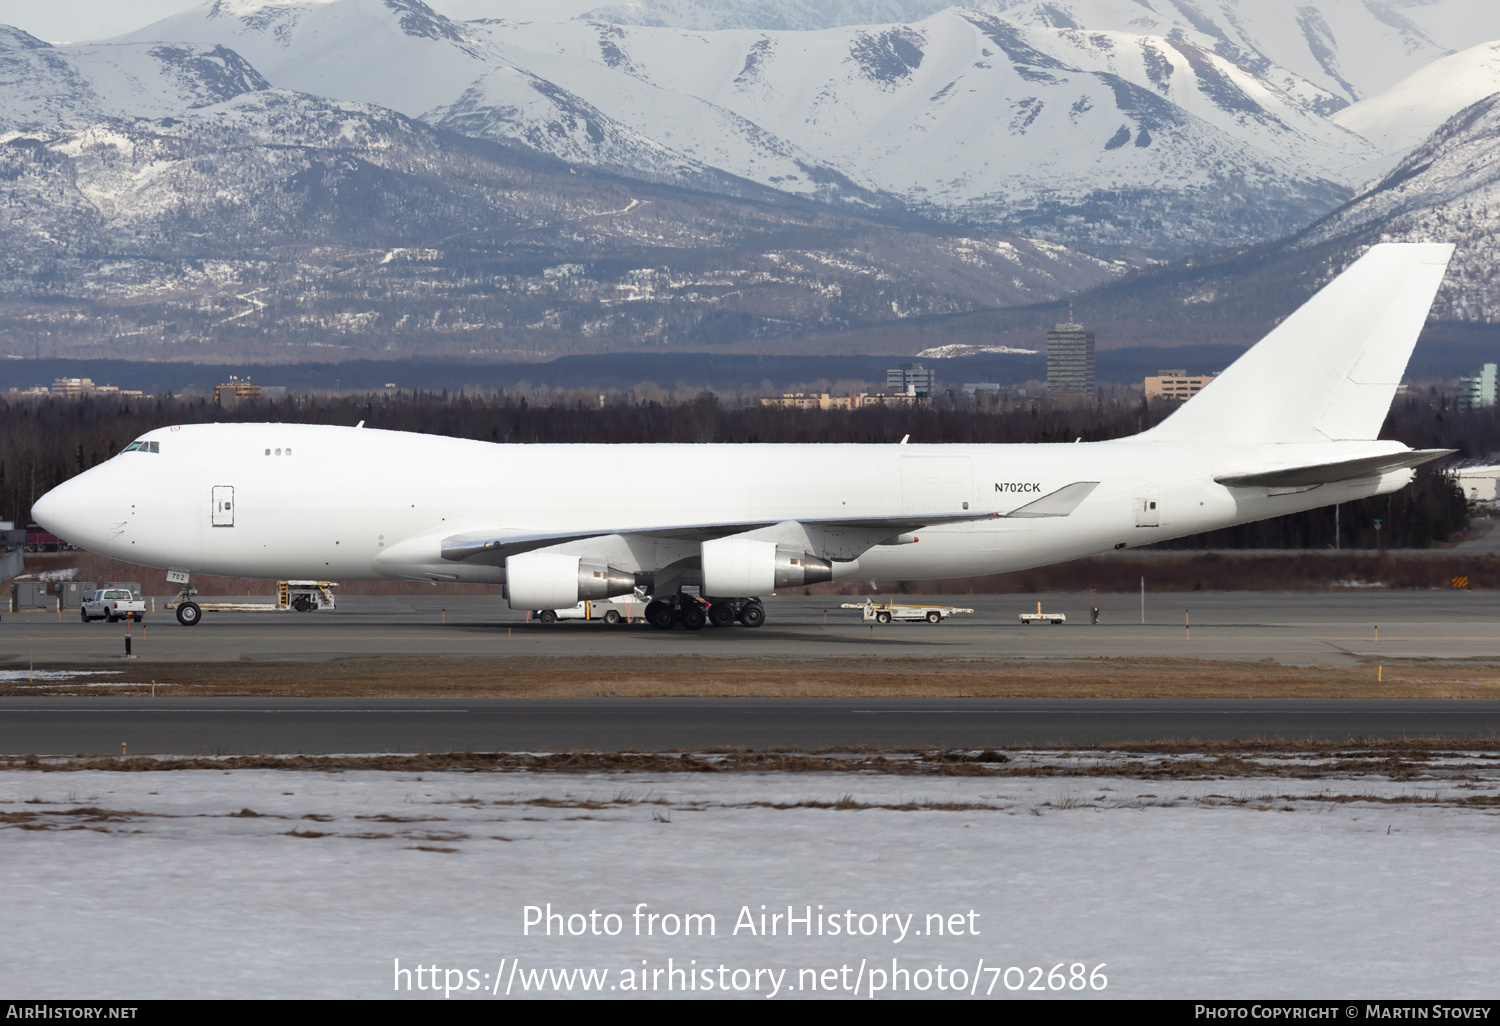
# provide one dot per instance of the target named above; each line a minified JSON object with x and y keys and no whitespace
{"x":1330,"y":370}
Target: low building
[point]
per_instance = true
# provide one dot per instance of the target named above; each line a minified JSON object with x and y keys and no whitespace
{"x":1176,"y":385}
{"x":72,"y":388}
{"x":852,"y":401}
{"x":1477,"y":390}
{"x":973,"y":389}
{"x":236,"y":391}
{"x":1479,"y":484}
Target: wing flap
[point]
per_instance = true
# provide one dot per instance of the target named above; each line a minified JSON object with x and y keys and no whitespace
{"x":1329,"y":473}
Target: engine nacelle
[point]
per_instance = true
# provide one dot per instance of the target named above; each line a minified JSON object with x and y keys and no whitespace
{"x":551,"y":580}
{"x":741,"y":567}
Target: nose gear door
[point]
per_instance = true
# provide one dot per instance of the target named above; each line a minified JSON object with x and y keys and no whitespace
{"x":223,"y":508}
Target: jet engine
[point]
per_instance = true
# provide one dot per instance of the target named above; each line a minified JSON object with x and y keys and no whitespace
{"x":551,"y":580}
{"x":741,"y":567}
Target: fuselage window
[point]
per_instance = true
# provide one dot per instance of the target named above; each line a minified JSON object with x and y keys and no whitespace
{"x":278,"y":452}
{"x":289,"y":452}
{"x":268,"y":452}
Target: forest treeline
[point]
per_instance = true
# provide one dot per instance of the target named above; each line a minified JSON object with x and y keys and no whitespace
{"x":45,"y":442}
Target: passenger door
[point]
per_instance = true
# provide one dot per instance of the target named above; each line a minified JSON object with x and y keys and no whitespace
{"x":223,"y":509}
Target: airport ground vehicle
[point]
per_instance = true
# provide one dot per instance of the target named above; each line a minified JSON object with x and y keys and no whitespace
{"x":301,"y":596}
{"x":1027,"y":619}
{"x":111,"y":604}
{"x":611,"y":611}
{"x":1293,"y":424}
{"x":886,"y":612}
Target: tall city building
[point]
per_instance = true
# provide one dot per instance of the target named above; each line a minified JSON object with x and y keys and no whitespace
{"x":1070,"y":359}
{"x":1478,"y":389}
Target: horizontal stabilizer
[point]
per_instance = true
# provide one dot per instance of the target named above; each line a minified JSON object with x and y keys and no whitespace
{"x":1057,"y":504}
{"x":1328,"y":473}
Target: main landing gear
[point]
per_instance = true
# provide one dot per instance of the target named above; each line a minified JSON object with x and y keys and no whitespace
{"x":696,"y":613}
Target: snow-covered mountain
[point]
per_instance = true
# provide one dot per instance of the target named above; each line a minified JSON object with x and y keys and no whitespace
{"x":279,"y":224}
{"x":1164,"y":133}
{"x":968,"y":113}
{"x":775,"y":15}
{"x":1404,"y":115}
{"x":47,"y":86}
{"x":1349,"y":48}
{"x":454,"y":74}
{"x":1448,"y":190}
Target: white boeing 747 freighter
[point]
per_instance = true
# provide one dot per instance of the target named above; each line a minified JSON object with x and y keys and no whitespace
{"x":1289,"y":426}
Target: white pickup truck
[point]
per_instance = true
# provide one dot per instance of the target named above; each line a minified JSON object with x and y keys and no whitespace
{"x":112,"y":604}
{"x":611,"y":611}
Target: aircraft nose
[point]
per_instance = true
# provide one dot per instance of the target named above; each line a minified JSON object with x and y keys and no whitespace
{"x":66,"y":511}
{"x":45,"y":509}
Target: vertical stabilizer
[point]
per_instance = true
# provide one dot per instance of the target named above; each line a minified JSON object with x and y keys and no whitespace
{"x":1330,"y":370}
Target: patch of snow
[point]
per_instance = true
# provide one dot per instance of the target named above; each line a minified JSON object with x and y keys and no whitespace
{"x":953,"y":350}
{"x":284,"y":884}
{"x":10,"y":675}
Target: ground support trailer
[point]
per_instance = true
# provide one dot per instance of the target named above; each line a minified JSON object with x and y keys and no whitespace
{"x":885,"y":612}
{"x":298,"y":596}
{"x":1027,"y":619}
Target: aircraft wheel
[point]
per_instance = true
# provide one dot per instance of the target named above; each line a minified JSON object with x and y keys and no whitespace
{"x":934,"y":617}
{"x":720,"y":614}
{"x":693,"y":617}
{"x":753,"y":615}
{"x":659,"y":615}
{"x":612,"y":617}
{"x":188,"y":614}
{"x":882,"y":617}
{"x":548,"y":616}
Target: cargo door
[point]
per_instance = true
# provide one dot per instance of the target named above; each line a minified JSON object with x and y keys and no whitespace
{"x":223,"y":511}
{"x":1146,"y":513}
{"x":936,"y":484}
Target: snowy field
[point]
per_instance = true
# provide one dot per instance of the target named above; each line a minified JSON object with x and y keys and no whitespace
{"x":281,"y":883}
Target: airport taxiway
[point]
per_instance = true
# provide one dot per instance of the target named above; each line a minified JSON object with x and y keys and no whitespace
{"x":1456,"y":631}
{"x":1339,"y":628}
{"x":213,"y":726}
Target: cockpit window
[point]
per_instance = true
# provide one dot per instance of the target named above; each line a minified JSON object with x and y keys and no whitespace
{"x":143,"y":447}
{"x":133,"y":446}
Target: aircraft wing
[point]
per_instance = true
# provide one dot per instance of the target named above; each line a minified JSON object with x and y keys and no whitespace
{"x":1328,"y":473}
{"x":465,"y":547}
{"x":495,"y":546}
